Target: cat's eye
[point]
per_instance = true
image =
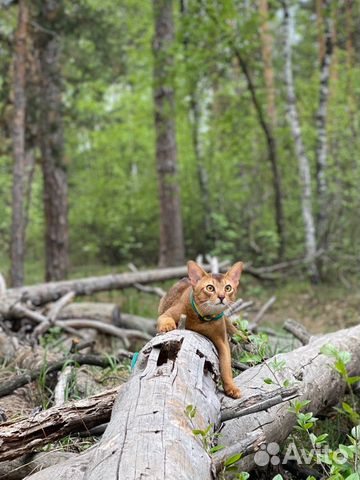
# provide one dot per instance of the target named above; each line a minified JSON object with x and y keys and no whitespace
{"x":228,"y":288}
{"x":210,"y":288}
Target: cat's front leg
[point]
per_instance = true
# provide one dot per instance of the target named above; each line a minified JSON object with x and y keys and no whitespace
{"x":168,"y":321}
{"x":225,"y":370}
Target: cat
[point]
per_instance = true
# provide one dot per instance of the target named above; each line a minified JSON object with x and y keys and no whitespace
{"x":203,"y":297}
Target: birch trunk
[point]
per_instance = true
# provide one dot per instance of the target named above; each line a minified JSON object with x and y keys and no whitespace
{"x":321,"y":124}
{"x":272,"y":152}
{"x":303,"y":161}
{"x":17,"y":249}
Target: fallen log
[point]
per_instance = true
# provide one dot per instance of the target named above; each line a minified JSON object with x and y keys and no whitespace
{"x":90,"y":416}
{"x":101,"y":311}
{"x":21,"y":467}
{"x":49,"y":292}
{"x":319,"y":383}
{"x":151,"y":436}
{"x":108,"y":313}
{"x":19,"y":438}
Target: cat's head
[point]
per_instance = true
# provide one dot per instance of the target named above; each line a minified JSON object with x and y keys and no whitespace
{"x":213,"y":293}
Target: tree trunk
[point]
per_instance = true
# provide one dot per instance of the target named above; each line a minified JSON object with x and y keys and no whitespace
{"x":266,"y":50}
{"x":171,"y":232}
{"x":150,"y":435}
{"x":320,"y":29}
{"x":321,"y":124}
{"x":201,"y":170}
{"x":17,"y":248}
{"x":304,"y":166}
{"x":52,"y":141}
{"x":272,"y":153}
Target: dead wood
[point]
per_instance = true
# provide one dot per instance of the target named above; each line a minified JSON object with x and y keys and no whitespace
{"x":101,"y":311}
{"x":47,"y":426}
{"x":19,"y":468}
{"x":57,"y":306}
{"x":78,"y":415}
{"x":306,"y":367}
{"x":18,"y":381}
{"x":108,"y":313}
{"x":297,"y":330}
{"x":122,"y":333}
{"x":259,"y":316}
{"x":49,"y":292}
{"x":150,"y":432}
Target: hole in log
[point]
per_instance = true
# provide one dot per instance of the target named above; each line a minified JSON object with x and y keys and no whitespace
{"x":208,"y":367}
{"x":169,"y":351}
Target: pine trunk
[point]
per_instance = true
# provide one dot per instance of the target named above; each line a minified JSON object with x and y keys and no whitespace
{"x":17,"y":249}
{"x":171,"y":231}
{"x":52,"y":142}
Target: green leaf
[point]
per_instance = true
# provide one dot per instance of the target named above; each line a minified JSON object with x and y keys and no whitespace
{"x":352,"y":380}
{"x":329,"y":350}
{"x":268,"y":381}
{"x":347,"y":408}
{"x":216,"y":448}
{"x":199,"y":432}
{"x":321,"y":438}
{"x":191,"y":411}
{"x":233,"y":459}
{"x":278,"y":477}
{"x":353,"y":476}
{"x":346,"y":451}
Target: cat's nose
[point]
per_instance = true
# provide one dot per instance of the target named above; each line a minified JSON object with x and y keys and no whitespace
{"x":221,"y":298}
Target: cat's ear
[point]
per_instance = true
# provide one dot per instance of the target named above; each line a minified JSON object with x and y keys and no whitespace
{"x":234,"y":273}
{"x":195,"y":272}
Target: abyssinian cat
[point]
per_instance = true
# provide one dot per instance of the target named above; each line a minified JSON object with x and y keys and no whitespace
{"x":203,"y":297}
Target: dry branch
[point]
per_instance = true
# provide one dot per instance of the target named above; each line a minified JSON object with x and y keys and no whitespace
{"x":258,"y":317}
{"x":108,"y":313}
{"x":101,"y":311}
{"x":297,"y":330}
{"x":47,"y":426}
{"x":18,"y":381}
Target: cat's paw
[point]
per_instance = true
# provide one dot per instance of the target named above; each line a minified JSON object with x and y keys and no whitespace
{"x":166,"y":326}
{"x":232,"y":391}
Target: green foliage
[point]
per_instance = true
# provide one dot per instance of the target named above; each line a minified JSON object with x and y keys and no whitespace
{"x":107,"y":64}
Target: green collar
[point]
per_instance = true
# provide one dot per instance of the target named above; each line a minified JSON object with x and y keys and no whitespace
{"x":204,"y":318}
